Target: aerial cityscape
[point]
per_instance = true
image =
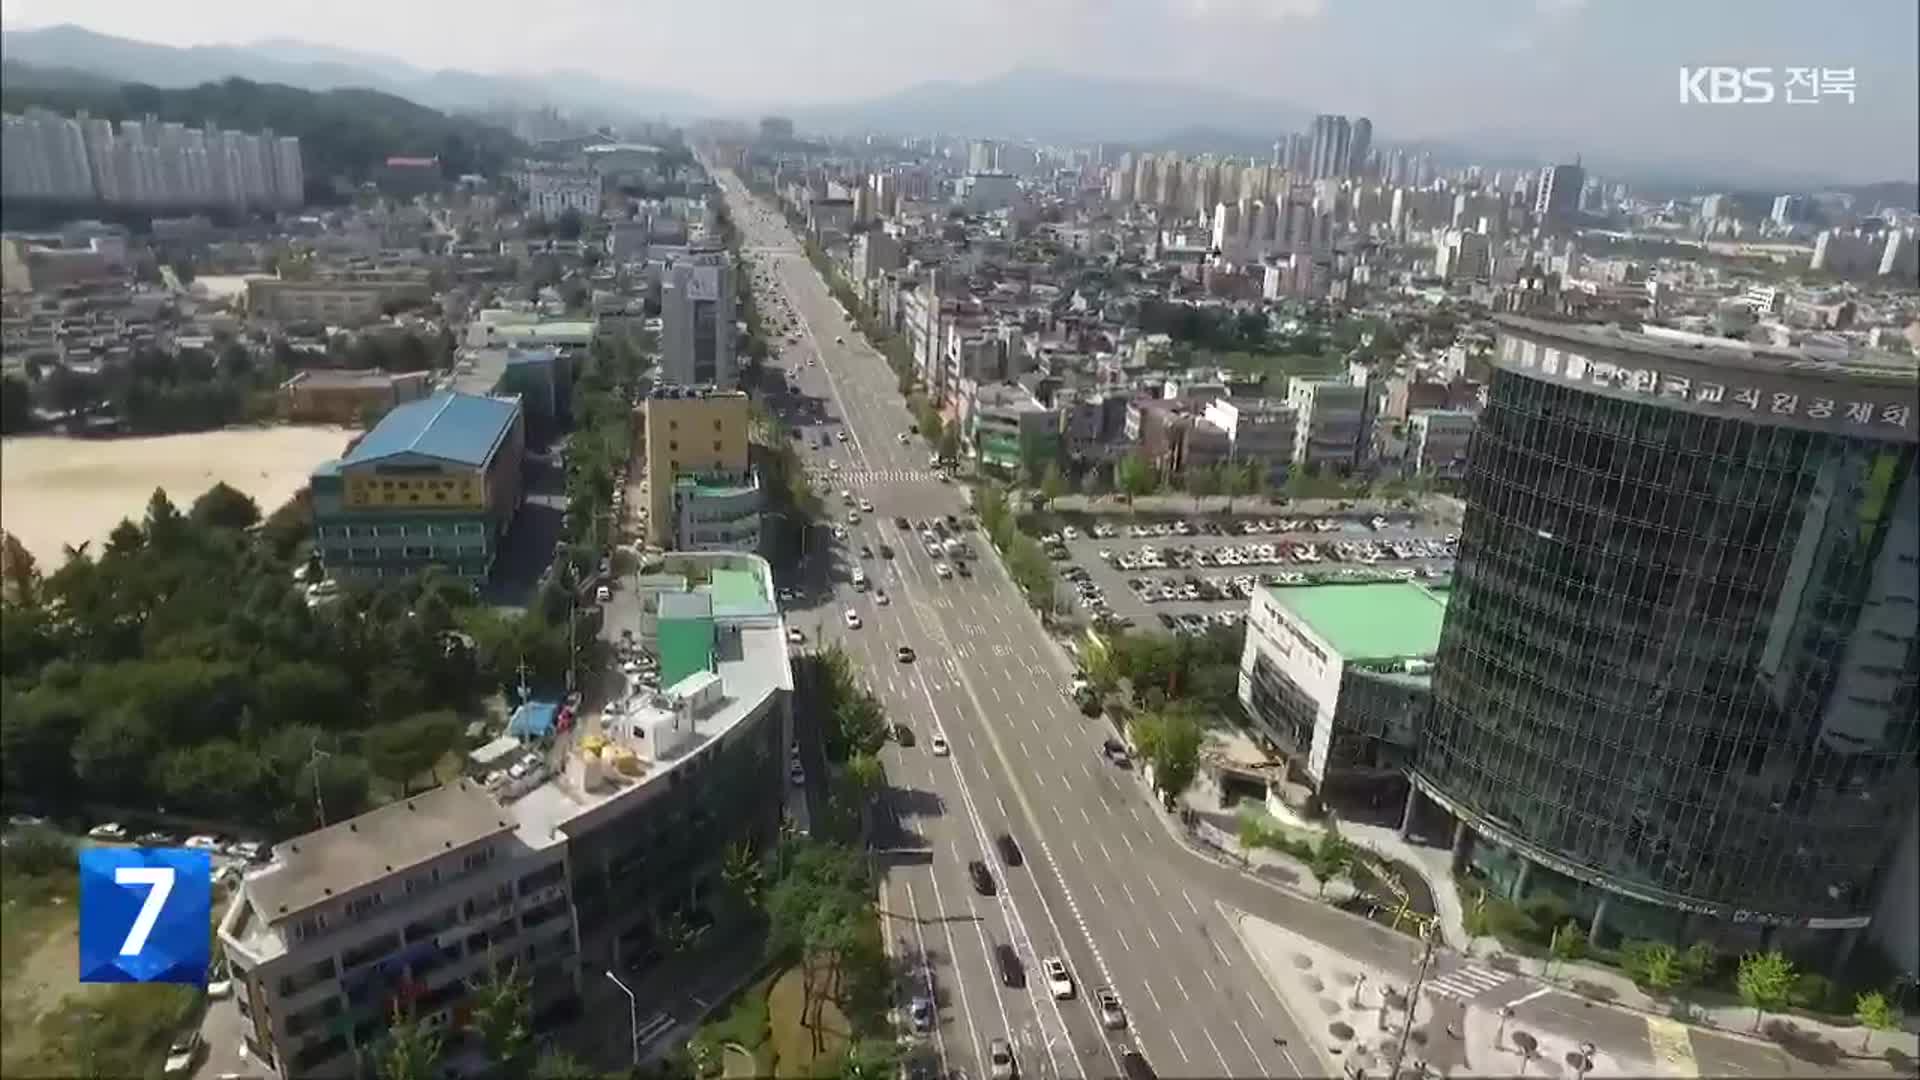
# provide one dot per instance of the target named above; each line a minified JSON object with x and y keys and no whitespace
{"x":1189,"y":539}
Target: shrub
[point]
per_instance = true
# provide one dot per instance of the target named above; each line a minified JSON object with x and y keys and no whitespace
{"x":1817,"y":993}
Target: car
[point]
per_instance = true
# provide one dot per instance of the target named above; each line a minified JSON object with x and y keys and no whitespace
{"x":1009,"y":851}
{"x":1000,"y":1062}
{"x":1135,"y":1067}
{"x":25,"y":821}
{"x":182,"y":1053}
{"x":902,"y":524}
{"x":602,"y":594}
{"x":982,"y":878}
{"x":904,"y":653}
{"x":797,"y":773}
{"x":155,"y":839}
{"x":901,"y":438}
{"x":795,"y":637}
{"x":1012,"y":972}
{"x":903,"y":735}
{"x":922,"y":1012}
{"x":853,"y":619}
{"x":853,"y":517}
{"x":1112,"y":1016}
{"x":866,"y":507}
{"x":1058,"y":980}
{"x":943,"y":570}
{"x":886,"y":552}
{"x":112,"y":830}
{"x":841,"y":435}
{"x":839,"y":340}
{"x":961,"y":569}
{"x":940,"y":748}
{"x":866,"y":552}
{"x":1116,"y":752}
{"x":881,"y":598}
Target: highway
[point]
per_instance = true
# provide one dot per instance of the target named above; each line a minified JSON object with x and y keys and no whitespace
{"x":1104,"y":884}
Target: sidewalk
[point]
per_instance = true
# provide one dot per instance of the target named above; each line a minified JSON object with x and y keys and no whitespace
{"x":1355,"y":1018}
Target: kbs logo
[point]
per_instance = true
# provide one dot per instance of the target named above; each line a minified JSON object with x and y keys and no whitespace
{"x":146,"y":915}
{"x":1758,"y":86}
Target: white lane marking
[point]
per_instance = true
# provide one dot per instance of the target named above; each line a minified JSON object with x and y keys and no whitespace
{"x":1189,"y":900}
{"x":1001,"y":803}
{"x":1131,"y":902}
{"x":1225,"y":1069}
{"x":1255,"y":1002}
{"x":1075,"y":844}
{"x":919,"y":933}
{"x":1128,"y":840}
{"x":1210,"y":981}
{"x":1104,"y":853}
{"x":1056,"y":814}
{"x":1021,"y":698}
{"x":1097,"y":894}
{"x":1156,"y":999}
{"x":1524,"y":998}
{"x":1087,"y":816}
{"x":1155,"y":938}
{"x":1149,"y":880}
{"x":1181,"y":1050}
{"x":1182,"y":987}
{"x":1251,"y":1052}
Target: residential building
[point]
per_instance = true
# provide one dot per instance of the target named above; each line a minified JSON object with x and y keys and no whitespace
{"x":1009,"y":430}
{"x":1720,"y":638}
{"x":435,"y":483}
{"x":146,"y":163}
{"x":1556,"y":203}
{"x":322,"y":396}
{"x":1257,"y":431}
{"x":1335,"y":422}
{"x":1437,"y":442}
{"x":697,"y":317}
{"x":331,"y":302}
{"x":1336,"y":676}
{"x":1463,"y":255}
{"x":701,"y":490}
{"x":1332,"y":147}
{"x":588,"y":855}
{"x":552,"y":191}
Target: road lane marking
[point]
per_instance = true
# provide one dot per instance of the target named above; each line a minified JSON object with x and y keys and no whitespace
{"x":1210,"y":981}
{"x":1182,"y":987}
{"x":1087,"y":817}
{"x":1181,"y":1050}
{"x":1524,"y":998}
{"x":919,"y":933}
{"x":1076,"y":850}
{"x":1130,"y":900}
{"x":1128,"y":840}
{"x":1155,"y":997}
{"x":1189,"y":900}
{"x":1225,"y":1069}
{"x":1097,"y":894}
{"x":1148,"y":878}
{"x":1001,"y":803}
{"x":1672,"y":1047}
{"x":1104,"y":853}
{"x":1153,"y":937}
{"x":1056,"y":814}
{"x":1251,"y":1052}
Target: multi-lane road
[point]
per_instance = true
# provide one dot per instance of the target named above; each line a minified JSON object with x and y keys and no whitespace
{"x":1103,"y":882}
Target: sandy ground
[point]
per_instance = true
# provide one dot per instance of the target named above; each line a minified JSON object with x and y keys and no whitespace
{"x":59,"y":491}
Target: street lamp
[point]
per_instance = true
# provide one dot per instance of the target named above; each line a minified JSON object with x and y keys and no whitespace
{"x":633,"y":1015}
{"x":1506,"y":1014}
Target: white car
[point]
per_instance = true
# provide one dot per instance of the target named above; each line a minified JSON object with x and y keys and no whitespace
{"x":602,"y":594}
{"x":901,"y":438}
{"x":839,"y":340}
{"x":943,"y":570}
{"x":112,"y":830}
{"x":853,"y":619}
{"x":940,"y":747}
{"x":866,"y":506}
{"x":1058,"y":980}
{"x":181,"y":1055}
{"x":795,"y":637}
{"x":1000,"y":1060}
{"x":881,"y":599}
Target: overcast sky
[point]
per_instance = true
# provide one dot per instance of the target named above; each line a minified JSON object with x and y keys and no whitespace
{"x":1568,"y":75}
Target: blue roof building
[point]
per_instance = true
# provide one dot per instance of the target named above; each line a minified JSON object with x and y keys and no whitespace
{"x":436,"y":483}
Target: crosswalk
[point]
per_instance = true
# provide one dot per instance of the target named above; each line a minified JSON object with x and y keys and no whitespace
{"x":1467,"y":982}
{"x":858,"y":478}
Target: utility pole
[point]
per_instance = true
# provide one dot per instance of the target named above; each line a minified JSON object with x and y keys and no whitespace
{"x":1413,"y":999}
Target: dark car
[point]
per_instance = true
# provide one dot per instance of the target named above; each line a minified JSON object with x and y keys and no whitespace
{"x":982,"y":877}
{"x":1009,"y":850}
{"x":1012,"y":972}
{"x":903,"y":735}
{"x":1136,"y":1068}
{"x":901,"y":523}
{"x":886,"y":552}
{"x":960,"y":567}
{"x":953,"y":521}
{"x":1116,"y":752}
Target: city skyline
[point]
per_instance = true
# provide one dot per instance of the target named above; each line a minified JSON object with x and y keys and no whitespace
{"x":1547,"y":78}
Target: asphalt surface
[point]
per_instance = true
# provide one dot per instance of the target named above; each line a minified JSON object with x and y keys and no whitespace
{"x":1105,"y":881}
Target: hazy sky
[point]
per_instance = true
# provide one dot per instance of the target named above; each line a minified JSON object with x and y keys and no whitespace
{"x":1599,"y":76}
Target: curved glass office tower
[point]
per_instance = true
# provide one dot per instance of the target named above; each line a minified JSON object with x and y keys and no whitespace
{"x":1677,"y":675}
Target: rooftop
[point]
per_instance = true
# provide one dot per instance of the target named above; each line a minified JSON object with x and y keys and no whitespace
{"x":338,"y":859}
{"x":1374,"y":620}
{"x":1864,"y":367}
{"x":463,"y":428}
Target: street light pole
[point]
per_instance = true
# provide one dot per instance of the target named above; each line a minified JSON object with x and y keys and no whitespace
{"x":1506,"y":1014}
{"x":1413,"y":1000}
{"x":633,"y":1015}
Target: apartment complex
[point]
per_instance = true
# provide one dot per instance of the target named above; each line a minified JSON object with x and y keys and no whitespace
{"x":435,"y":483}
{"x":697,"y":320}
{"x":702,"y":492}
{"x":328,"y":301}
{"x":146,"y":163}
{"x":321,"y":396}
{"x":1335,"y":422}
{"x":604,"y":842}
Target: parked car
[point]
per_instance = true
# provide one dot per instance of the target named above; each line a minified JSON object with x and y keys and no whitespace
{"x":602,"y":594}
{"x":112,"y":830}
{"x":182,"y":1053}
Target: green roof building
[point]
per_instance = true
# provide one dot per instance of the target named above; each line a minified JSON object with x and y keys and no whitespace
{"x":1335,"y":676}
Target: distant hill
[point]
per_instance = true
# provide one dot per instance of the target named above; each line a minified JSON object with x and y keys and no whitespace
{"x":343,"y":133}
{"x":320,"y":67}
{"x":1037,"y":103}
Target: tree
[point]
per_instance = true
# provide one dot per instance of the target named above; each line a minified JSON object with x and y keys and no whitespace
{"x":399,"y":752}
{"x":1656,"y":965}
{"x":1568,"y":943}
{"x":1053,"y":483}
{"x":1764,"y":980}
{"x":1875,"y":1013}
{"x":19,"y":577}
{"x":1201,"y":483}
{"x":164,"y":526}
{"x":866,"y":774}
{"x":225,"y":507}
{"x":1136,"y":477}
{"x":742,"y":874}
{"x":559,"y":1065}
{"x":949,"y":443}
{"x":501,"y":1014}
{"x":411,"y":1050}
{"x":1170,"y":742}
{"x":870,"y":1059}
{"x":1331,"y":858}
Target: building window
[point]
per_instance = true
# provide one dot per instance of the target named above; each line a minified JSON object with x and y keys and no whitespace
{"x":716,"y":446}
{"x":716,"y":425}
{"x":673,"y":446}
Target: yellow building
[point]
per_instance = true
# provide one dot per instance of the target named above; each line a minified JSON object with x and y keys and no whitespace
{"x":702,"y":494}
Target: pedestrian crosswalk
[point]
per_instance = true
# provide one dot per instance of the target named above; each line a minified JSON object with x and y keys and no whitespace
{"x":858,"y":478}
{"x":1467,"y":982}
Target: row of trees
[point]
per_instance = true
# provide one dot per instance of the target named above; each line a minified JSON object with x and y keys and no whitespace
{"x":180,"y":666}
{"x":1026,"y":563}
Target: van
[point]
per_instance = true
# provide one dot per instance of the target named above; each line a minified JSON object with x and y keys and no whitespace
{"x":860,"y":579}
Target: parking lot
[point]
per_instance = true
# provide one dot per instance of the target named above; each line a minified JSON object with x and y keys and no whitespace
{"x":1186,"y":575}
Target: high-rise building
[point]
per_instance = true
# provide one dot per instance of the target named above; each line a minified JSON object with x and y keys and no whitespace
{"x":1676,"y":685}
{"x":701,"y":489}
{"x":1557,"y":201}
{"x":1360,"y":148}
{"x":1789,"y":209}
{"x":696,"y":312}
{"x":1332,"y":138}
{"x":147,"y":163}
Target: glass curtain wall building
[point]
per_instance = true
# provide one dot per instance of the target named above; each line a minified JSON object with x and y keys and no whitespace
{"x":1676,"y":681}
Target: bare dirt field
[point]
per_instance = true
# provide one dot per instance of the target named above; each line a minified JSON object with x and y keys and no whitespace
{"x":57,"y":491}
